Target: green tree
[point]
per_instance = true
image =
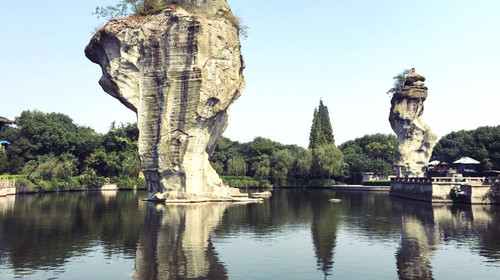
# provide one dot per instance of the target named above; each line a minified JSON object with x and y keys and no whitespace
{"x":321,"y":128}
{"x":328,"y":162}
{"x":39,"y":134}
{"x":261,"y":167}
{"x":316,"y":136}
{"x":4,"y":163}
{"x":303,"y":164}
{"x":399,"y":81}
{"x":224,"y":150}
{"x":326,"y":126}
{"x":236,"y":166}
{"x":282,"y":162}
{"x":259,"y":146}
{"x":370,"y":153}
{"x":482,"y":144}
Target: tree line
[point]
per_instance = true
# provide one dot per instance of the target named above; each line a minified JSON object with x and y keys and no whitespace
{"x":54,"y":153}
{"x":57,"y":154}
{"x":482,"y":144}
{"x":265,"y":162}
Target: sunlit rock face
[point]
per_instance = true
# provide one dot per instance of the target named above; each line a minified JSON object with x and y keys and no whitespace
{"x":415,"y":139}
{"x":179,"y":71}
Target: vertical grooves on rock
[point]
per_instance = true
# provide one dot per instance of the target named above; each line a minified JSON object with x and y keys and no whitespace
{"x":180,"y":72}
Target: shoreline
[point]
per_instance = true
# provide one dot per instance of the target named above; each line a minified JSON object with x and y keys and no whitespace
{"x":361,"y":188}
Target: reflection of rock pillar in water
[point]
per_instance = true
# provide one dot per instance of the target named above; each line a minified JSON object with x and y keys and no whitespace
{"x":7,"y":203}
{"x":174,"y":243}
{"x":418,"y":243}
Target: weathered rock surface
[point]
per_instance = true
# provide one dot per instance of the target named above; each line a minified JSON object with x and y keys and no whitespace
{"x":415,"y":139}
{"x":218,"y":8}
{"x":179,"y":72}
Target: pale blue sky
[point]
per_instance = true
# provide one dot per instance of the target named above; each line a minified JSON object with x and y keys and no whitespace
{"x":297,"y":52}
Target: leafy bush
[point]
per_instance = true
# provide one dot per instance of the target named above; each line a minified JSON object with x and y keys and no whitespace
{"x":91,"y":180}
{"x":493,"y":194}
{"x":23,"y":185}
{"x":244,"y":182}
{"x":125,"y":182}
{"x":236,"y":167}
{"x":310,"y":182}
{"x":141,"y":183}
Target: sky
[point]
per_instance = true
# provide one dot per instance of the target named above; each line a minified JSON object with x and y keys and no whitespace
{"x":296,"y":53}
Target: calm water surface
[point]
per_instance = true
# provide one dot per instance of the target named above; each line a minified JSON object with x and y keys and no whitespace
{"x":296,"y":234}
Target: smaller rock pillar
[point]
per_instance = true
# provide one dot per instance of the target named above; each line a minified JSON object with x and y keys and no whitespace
{"x":415,"y":139}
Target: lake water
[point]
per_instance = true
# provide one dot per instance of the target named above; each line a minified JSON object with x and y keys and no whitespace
{"x":296,"y":234}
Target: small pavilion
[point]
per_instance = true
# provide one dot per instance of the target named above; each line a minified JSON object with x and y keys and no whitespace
{"x":466,"y":165}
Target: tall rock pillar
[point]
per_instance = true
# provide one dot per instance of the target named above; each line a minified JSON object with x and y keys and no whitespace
{"x":415,"y":139}
{"x":179,"y":71}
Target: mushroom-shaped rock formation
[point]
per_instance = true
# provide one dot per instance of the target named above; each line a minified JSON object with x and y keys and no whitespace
{"x":179,"y":71}
{"x":5,"y":121}
{"x":415,"y":139}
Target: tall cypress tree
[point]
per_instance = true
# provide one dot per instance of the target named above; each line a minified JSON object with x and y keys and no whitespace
{"x":321,"y":128}
{"x":316,"y":136}
{"x":326,"y":126}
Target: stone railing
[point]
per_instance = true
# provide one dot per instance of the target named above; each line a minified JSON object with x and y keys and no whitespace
{"x":423,"y":180}
{"x":7,"y":183}
{"x":461,"y":180}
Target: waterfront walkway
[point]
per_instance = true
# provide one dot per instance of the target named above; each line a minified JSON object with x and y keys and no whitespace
{"x":361,"y":188}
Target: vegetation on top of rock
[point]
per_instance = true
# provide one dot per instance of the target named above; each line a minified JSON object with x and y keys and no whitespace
{"x":126,"y":8}
{"x":399,"y":81}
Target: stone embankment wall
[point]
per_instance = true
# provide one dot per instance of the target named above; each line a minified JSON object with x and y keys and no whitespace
{"x":7,"y":186}
{"x":444,"y":190}
{"x":7,"y":183}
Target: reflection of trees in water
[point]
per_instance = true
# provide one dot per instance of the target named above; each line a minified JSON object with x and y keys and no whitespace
{"x":291,"y":207}
{"x":44,"y":231}
{"x":475,"y":226}
{"x":174,"y":242}
{"x":311,"y":207}
{"x":326,"y":217}
{"x":47,"y":230}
